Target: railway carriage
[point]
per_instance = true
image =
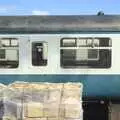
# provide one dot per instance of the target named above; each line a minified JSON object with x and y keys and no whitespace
{"x":65,"y":49}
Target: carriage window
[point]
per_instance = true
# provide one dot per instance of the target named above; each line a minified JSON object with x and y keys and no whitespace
{"x":86,"y":53}
{"x":39,"y":53}
{"x":9,"y":53}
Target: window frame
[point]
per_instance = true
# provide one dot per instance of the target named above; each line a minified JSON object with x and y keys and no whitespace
{"x":83,"y":47}
{"x":10,"y":47}
{"x":37,"y":41}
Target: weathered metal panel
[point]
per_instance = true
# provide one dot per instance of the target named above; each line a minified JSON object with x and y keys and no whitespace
{"x":41,"y":24}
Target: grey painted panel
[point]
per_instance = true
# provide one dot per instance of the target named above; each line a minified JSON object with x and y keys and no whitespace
{"x":42,"y":24}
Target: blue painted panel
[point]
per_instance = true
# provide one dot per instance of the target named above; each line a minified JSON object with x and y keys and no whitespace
{"x":94,"y":85}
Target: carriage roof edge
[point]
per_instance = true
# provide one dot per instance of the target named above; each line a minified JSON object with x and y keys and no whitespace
{"x":69,"y":23}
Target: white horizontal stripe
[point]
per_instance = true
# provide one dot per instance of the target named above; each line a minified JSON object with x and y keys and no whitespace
{"x":85,"y":48}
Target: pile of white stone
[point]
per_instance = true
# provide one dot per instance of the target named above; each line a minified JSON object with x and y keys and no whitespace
{"x":41,"y":101}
